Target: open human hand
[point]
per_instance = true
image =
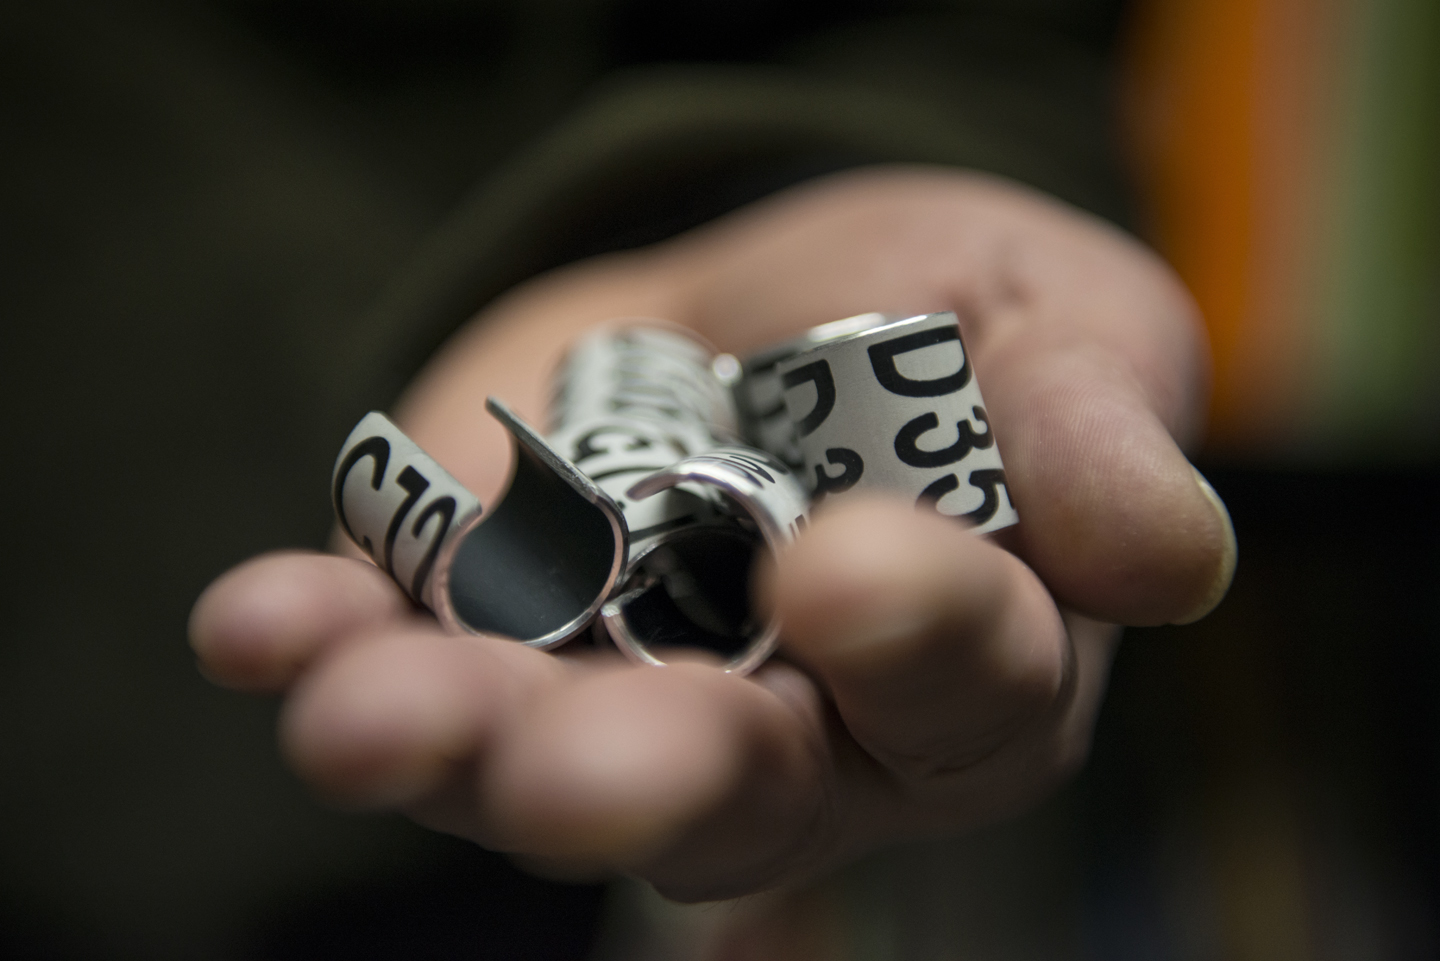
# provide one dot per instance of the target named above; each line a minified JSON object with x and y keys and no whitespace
{"x":931,"y":680}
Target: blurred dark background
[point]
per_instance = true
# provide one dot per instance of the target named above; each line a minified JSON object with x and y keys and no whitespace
{"x":230,"y":228}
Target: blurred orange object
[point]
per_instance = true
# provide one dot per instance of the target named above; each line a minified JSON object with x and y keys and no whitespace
{"x":1288,"y":152}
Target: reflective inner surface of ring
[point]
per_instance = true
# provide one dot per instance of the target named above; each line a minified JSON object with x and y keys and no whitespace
{"x":693,"y":592}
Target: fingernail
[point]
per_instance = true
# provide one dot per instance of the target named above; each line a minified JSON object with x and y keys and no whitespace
{"x":1225,"y":573}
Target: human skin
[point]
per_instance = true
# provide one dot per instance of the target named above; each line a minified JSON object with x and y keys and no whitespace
{"x":930,"y":681}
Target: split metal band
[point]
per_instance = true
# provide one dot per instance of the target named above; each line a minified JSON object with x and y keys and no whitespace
{"x":397,"y":504}
{"x":536,"y":567}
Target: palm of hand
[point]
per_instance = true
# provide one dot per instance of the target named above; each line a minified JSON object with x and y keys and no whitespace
{"x":932,"y":681}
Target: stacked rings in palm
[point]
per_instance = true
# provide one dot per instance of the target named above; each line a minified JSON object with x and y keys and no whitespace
{"x":641,"y":512}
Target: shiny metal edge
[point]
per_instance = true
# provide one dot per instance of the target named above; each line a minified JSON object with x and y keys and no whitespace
{"x":522,"y":433}
{"x":711,"y":475}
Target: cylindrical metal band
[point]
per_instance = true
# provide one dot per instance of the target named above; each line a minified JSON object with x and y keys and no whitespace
{"x":645,"y":371}
{"x":640,"y":409}
{"x":694,"y":582}
{"x":897,"y":408}
{"x":760,"y":397}
{"x":630,"y":401}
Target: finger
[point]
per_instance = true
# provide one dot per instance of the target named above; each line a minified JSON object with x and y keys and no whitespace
{"x":258,"y":625}
{"x":390,"y":718}
{"x":939,"y":648}
{"x":704,"y":783}
{"x":1087,"y":348}
{"x":1113,"y":517}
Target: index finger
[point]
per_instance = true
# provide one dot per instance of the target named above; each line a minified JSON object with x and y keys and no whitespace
{"x":259,"y":625}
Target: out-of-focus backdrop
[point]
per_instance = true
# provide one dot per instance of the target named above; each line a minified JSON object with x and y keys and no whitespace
{"x":231,"y":227}
{"x":1287,"y":151}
